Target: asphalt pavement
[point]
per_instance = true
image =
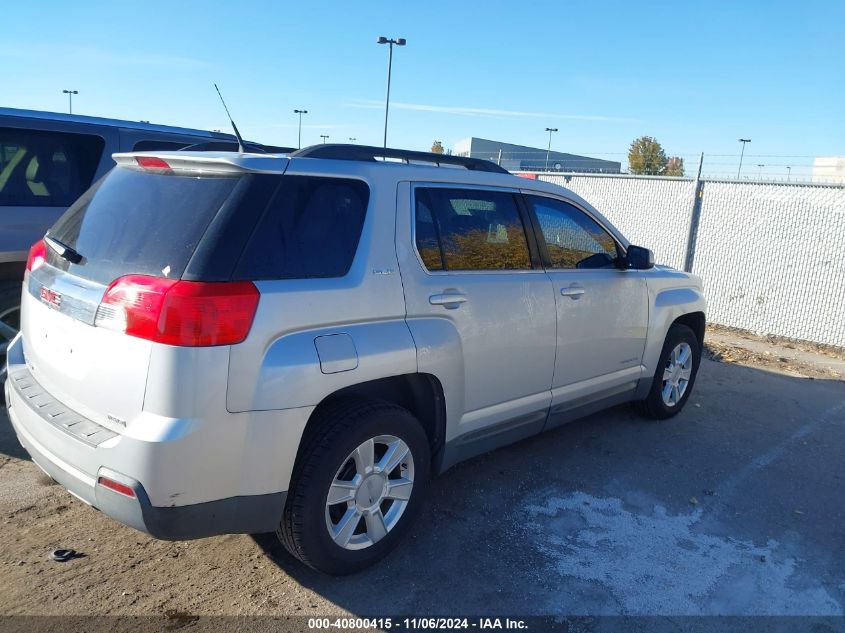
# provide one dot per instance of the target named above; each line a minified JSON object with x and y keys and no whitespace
{"x":734,"y":507}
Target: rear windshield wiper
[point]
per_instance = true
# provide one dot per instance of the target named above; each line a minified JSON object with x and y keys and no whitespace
{"x":63,"y":250}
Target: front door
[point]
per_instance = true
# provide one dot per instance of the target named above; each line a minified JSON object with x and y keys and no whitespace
{"x":602,"y":311}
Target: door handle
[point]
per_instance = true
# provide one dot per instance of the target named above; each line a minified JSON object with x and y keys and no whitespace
{"x":573,"y":292}
{"x":449,"y":300}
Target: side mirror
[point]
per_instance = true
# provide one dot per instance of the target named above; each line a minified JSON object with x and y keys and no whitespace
{"x":639,"y":258}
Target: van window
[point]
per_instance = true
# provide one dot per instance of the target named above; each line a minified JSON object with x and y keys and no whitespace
{"x":466,"y":229}
{"x":46,"y":169}
{"x":310,"y":229}
{"x":135,"y":222}
{"x":156,"y":146}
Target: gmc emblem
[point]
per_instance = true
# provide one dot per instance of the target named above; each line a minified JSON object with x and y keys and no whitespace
{"x":50,"y":297}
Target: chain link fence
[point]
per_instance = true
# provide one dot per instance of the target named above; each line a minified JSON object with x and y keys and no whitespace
{"x":768,"y":252}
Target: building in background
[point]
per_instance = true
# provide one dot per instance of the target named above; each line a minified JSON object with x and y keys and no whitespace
{"x":829,"y":169}
{"x":523,"y":158}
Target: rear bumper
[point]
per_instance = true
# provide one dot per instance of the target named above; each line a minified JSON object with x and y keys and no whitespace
{"x":77,"y":465}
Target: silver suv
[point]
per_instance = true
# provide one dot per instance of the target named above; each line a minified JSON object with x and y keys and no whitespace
{"x":238,"y":343}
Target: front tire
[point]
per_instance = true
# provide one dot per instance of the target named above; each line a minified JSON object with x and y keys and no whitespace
{"x":675,"y":375}
{"x":357,"y":486}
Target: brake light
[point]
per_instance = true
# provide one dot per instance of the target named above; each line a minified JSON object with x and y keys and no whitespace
{"x":151,"y":162}
{"x":37,"y":256}
{"x":183,"y":313}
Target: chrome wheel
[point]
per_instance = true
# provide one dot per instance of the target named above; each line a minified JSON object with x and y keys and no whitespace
{"x":369,"y":492}
{"x":677,"y":374}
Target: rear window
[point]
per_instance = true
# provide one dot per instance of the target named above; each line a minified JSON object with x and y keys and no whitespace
{"x":310,"y":229}
{"x":46,"y":169}
{"x":133,"y":222}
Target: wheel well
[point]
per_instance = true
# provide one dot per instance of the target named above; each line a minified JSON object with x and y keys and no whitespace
{"x":421,"y":394}
{"x":694,"y":321}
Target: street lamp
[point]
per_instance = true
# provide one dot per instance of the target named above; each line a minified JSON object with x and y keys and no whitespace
{"x":352,"y":139}
{"x":324,"y":137}
{"x":788,"y":172}
{"x":70,"y":94}
{"x":399,"y":41}
{"x":743,"y":141}
{"x":549,"y":148}
{"x":760,"y":171}
{"x":299,"y":137}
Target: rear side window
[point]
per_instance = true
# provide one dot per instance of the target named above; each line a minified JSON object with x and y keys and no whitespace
{"x":465,"y":229}
{"x":46,"y":169}
{"x":311,"y":229}
{"x":138,"y":222}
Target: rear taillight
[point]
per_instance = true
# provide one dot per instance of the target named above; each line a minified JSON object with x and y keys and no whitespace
{"x":37,"y":256}
{"x":175,"y":312}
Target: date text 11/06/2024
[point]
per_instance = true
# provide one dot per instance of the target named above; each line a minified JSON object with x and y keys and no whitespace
{"x":417,"y":623}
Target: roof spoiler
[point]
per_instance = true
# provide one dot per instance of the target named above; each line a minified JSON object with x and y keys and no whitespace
{"x":198,"y":163}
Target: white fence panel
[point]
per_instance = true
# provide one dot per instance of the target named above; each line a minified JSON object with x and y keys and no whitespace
{"x":650,"y":212}
{"x":771,"y":259}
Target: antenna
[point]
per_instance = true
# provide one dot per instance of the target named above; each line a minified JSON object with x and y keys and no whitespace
{"x":234,"y":127}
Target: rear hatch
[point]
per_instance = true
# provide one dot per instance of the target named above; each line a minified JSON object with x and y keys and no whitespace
{"x":96,"y":286}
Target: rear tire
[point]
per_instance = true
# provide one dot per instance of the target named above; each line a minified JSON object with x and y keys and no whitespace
{"x":675,"y":375}
{"x":374,"y":505}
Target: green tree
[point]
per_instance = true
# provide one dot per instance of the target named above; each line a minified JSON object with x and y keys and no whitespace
{"x":646,"y":156}
{"x":674,"y":167}
{"x":437,"y":147}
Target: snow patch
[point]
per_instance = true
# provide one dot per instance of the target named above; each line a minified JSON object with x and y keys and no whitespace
{"x":660,"y":564}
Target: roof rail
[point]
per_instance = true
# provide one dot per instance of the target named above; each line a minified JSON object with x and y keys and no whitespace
{"x":338,"y":151}
{"x":232,"y":146}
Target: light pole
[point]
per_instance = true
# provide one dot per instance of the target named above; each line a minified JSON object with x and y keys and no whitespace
{"x":399,"y":41}
{"x":70,"y":94}
{"x":299,"y":137}
{"x":324,"y":137}
{"x":550,"y":130}
{"x":743,"y":141}
{"x":760,"y":171}
{"x":352,"y":139}
{"x":788,"y":172}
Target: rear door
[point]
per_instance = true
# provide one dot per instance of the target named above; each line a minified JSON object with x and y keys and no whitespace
{"x":602,"y":311}
{"x":472,"y":277}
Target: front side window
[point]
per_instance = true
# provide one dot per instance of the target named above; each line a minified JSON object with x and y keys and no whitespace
{"x":572,"y":238}
{"x":46,"y":169}
{"x":465,"y":229}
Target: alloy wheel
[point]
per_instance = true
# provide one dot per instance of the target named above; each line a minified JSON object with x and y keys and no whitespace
{"x":370,"y":492}
{"x":677,"y":374}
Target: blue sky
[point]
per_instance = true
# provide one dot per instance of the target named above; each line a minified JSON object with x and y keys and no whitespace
{"x":697,"y":76}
